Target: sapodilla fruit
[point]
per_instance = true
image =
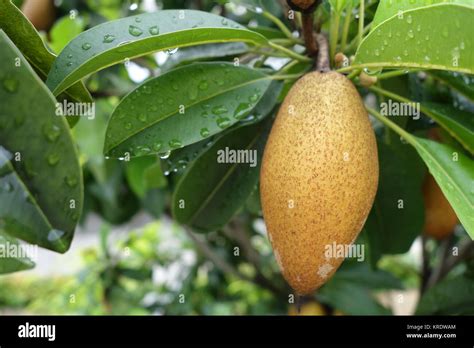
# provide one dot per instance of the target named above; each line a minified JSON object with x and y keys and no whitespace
{"x":440,"y":218}
{"x":318,"y":178}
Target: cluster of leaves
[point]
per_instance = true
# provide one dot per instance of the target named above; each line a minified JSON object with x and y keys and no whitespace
{"x":222,"y":92}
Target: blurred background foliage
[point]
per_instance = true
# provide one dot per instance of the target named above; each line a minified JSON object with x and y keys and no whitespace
{"x":153,"y":266}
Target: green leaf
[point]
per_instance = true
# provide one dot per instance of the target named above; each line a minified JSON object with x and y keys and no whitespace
{"x":207,"y":202}
{"x":449,"y":297}
{"x":182,"y":107}
{"x":464,"y":84}
{"x":340,"y":294}
{"x":458,"y":123}
{"x":131,"y":37}
{"x":10,"y":261}
{"x":144,"y":173}
{"x":361,"y":274}
{"x":41,"y":181}
{"x":408,"y":40}
{"x":397,"y":215}
{"x":454,"y":173}
{"x":387,"y":9}
{"x":64,"y":30}
{"x":26,"y":38}
{"x":452,"y":170}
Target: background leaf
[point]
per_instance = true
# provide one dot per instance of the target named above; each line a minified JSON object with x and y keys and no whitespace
{"x":112,"y":42}
{"x":408,"y":41}
{"x":26,"y":38}
{"x":64,"y":30}
{"x":42,"y":194}
{"x":211,"y":200}
{"x":449,"y":297}
{"x":462,"y":83}
{"x":212,"y":97}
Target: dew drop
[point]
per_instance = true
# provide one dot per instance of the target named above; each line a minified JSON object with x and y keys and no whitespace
{"x":55,"y":235}
{"x":157,"y":146}
{"x":203,"y":85}
{"x":108,"y":38}
{"x":70,"y":180}
{"x":409,"y":19}
{"x":204,"y":132}
{"x":219,"y":110}
{"x":86,"y":46}
{"x":165,"y":155}
{"x":223,"y":122}
{"x":411,"y":35}
{"x":53,"y":159}
{"x":171,"y":51}
{"x":175,"y":143}
{"x":154,"y":30}
{"x":142,"y":117}
{"x":134,"y":30}
{"x":241,"y":111}
{"x":128,"y":125}
{"x":51,"y":132}
{"x":10,"y":84}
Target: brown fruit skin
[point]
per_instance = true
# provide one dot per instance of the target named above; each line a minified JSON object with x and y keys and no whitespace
{"x":440,"y":218}
{"x":320,"y":120}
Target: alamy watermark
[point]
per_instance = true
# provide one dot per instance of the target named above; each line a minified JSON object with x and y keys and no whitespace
{"x":335,"y":250}
{"x":16,"y":251}
{"x":67,"y":108}
{"x":228,"y":155}
{"x":391,"y":108}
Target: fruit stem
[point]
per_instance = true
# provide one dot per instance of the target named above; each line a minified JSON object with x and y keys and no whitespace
{"x":308,"y":34}
{"x":289,"y":52}
{"x":407,"y":136}
{"x":322,"y":61}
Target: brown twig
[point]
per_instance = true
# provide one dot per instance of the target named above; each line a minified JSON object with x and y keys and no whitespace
{"x":308,"y":34}
{"x":226,"y":267}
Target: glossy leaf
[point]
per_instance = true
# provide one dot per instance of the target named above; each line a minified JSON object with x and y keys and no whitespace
{"x":387,"y":9}
{"x":452,"y":170}
{"x":113,"y":42}
{"x":408,"y":40}
{"x":26,"y":38}
{"x":207,"y":202}
{"x":10,"y":262}
{"x":464,"y":84}
{"x":40,"y":177}
{"x":454,"y":173}
{"x":458,"y":123}
{"x":182,"y":107}
{"x":397,"y":215}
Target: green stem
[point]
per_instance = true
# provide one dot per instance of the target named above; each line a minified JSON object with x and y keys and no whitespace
{"x":288,"y":66}
{"x":361,"y":22}
{"x":353,"y":74}
{"x":334,"y":34}
{"x":390,"y":94}
{"x":283,"y":42}
{"x":392,"y":126}
{"x":284,"y":29}
{"x":289,"y":53}
{"x":393,"y":73}
{"x":345,"y":28}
